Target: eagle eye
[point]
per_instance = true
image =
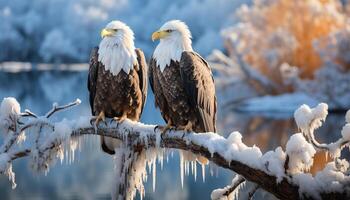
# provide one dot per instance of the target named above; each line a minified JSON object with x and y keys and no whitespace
{"x":169,"y":31}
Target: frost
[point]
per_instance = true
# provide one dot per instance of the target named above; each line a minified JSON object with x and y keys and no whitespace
{"x":300,"y":153}
{"x":6,"y":168}
{"x":63,"y":129}
{"x":9,"y":111}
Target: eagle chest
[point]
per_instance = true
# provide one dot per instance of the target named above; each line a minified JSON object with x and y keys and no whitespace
{"x":117,"y":94}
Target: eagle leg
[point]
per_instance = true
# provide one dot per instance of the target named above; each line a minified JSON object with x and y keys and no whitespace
{"x":101,"y":117}
{"x":167,"y":127}
{"x":187,"y":128}
{"x":120,"y":119}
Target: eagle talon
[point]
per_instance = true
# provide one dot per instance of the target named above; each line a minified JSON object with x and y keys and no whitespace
{"x":162,"y":136}
{"x":155,"y":128}
{"x":119,"y":120}
{"x":98,"y":119}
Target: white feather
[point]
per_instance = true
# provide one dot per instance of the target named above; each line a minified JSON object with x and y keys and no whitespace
{"x":172,"y":46}
{"x":117,"y":53}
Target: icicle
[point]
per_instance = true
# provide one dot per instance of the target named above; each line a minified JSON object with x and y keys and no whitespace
{"x":203,"y":172}
{"x":188,"y":167}
{"x":195,"y":171}
{"x":192,"y":169}
{"x":154,"y":175}
{"x":181,"y":169}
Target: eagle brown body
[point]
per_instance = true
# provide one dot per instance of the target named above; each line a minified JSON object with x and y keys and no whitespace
{"x":185,"y":92}
{"x":120,"y":95}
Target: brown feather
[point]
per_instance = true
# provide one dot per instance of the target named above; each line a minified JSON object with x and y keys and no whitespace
{"x":124,"y":94}
{"x":184,"y":92}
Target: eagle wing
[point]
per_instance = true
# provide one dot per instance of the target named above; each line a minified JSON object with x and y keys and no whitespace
{"x":199,"y":85}
{"x":160,"y":100}
{"x":142,"y":73}
{"x":92,"y":77}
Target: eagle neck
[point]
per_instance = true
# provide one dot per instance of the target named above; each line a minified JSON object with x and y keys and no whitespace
{"x":116,"y":54}
{"x":170,"y":49}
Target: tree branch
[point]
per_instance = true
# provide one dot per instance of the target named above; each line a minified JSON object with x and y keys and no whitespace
{"x":230,"y":153}
{"x":151,"y":138}
{"x":56,"y":108}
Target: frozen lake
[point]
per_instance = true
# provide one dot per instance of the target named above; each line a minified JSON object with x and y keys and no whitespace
{"x":90,"y":175}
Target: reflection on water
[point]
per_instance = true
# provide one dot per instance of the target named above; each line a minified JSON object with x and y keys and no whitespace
{"x":91,"y":175}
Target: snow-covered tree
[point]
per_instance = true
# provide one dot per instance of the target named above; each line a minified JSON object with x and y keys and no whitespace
{"x":282,"y":46}
{"x":66,"y":30}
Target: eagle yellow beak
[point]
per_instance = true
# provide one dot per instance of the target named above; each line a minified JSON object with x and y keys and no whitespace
{"x":107,"y":33}
{"x":159,"y":35}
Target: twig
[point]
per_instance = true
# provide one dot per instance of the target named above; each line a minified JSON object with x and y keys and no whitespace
{"x":28,"y":113}
{"x":252,"y":192}
{"x":232,"y":187}
{"x":56,"y":108}
{"x":253,"y":74}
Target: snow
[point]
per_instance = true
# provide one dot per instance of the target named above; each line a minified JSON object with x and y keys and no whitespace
{"x":62,"y":129}
{"x":345,"y":132}
{"x":308,"y":119}
{"x":6,"y":168}
{"x":347,"y":116}
{"x":276,"y":105}
{"x":66,"y":30}
{"x":330,"y":179}
{"x":9,"y":107}
{"x":219,"y":194}
{"x":274,"y":163}
{"x":300,"y":153}
{"x":9,"y":111}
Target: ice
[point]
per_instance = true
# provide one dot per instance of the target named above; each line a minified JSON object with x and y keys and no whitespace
{"x":203,"y":172}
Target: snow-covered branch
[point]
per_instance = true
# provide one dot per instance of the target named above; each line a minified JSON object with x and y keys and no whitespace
{"x":282,"y":173}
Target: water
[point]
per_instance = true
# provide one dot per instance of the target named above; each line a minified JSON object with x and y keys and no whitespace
{"x":90,"y":176}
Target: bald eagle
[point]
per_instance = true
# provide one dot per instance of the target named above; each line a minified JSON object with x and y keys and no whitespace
{"x":181,"y":81}
{"x":117,"y":80}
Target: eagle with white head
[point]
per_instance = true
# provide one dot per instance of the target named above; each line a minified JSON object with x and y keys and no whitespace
{"x":117,"y":80}
{"x":182,"y":81}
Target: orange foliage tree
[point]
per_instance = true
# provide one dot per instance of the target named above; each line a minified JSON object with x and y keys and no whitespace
{"x":274,"y":32}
